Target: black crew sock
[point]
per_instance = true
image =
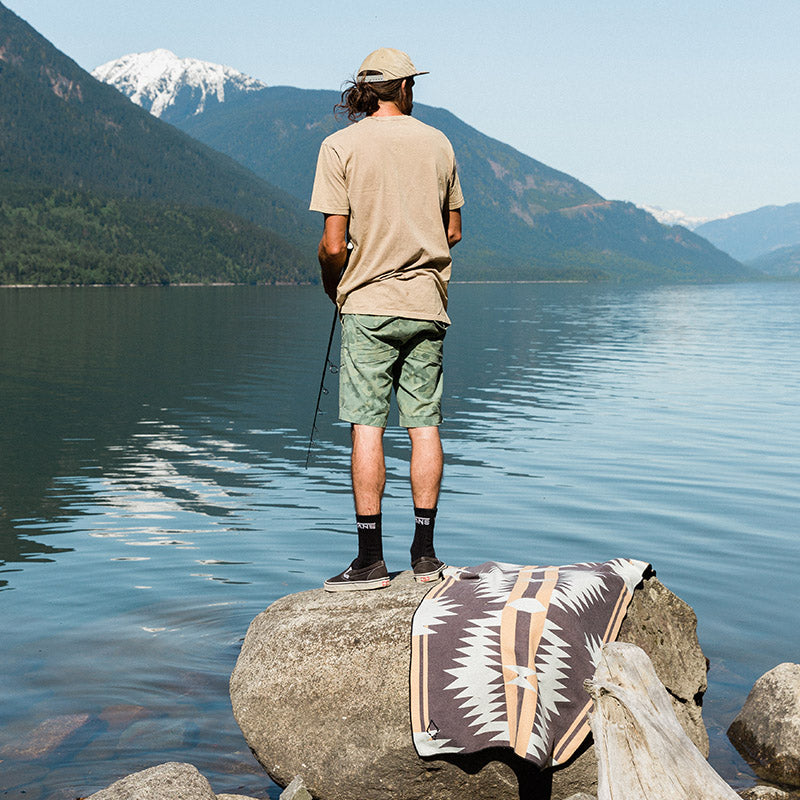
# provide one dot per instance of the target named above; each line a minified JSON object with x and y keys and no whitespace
{"x":370,"y":545}
{"x":423,"y":533}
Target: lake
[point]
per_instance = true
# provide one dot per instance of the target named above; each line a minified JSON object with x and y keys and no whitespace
{"x":154,"y":498}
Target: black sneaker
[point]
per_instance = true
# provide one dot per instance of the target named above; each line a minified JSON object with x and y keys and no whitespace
{"x":373,"y":576}
{"x":427,"y":569}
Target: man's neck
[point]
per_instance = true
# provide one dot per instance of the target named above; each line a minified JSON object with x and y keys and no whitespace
{"x":387,"y":108}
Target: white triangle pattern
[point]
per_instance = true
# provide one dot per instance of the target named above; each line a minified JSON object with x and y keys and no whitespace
{"x":479,"y":678}
{"x":496,"y":584}
{"x":552,"y":671}
{"x":630,"y":570}
{"x":594,"y":644}
{"x":432,"y":612}
{"x":429,"y":746}
{"x":523,"y":673}
{"x":577,"y":589}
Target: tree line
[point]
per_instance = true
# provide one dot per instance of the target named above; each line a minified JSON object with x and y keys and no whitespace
{"x":72,"y":237}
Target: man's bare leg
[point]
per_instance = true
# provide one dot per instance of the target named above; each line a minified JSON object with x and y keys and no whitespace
{"x":368,"y":570}
{"x":427,"y":464}
{"x":368,"y":469}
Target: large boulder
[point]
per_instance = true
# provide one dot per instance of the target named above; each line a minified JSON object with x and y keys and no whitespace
{"x":767,"y":730}
{"x":321,"y":689}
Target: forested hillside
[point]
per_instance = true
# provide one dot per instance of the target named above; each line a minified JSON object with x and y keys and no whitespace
{"x":68,"y":236}
{"x":70,"y":145}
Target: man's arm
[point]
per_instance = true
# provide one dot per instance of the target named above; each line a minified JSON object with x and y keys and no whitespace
{"x":332,"y":252}
{"x":452,"y":225}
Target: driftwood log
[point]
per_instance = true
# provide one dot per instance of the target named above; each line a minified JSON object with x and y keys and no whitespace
{"x":642,"y":751}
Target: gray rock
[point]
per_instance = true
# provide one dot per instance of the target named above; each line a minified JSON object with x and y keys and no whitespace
{"x":234,"y":797}
{"x":296,"y":790}
{"x":170,"y":781}
{"x":767,"y":730}
{"x":321,"y":689}
{"x":581,"y":796}
{"x":764,"y":793}
{"x":665,"y":627}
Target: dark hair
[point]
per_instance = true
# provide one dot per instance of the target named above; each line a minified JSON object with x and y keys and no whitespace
{"x":361,"y":99}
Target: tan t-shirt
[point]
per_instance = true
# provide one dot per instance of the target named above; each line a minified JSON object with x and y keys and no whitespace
{"x":392,"y":176}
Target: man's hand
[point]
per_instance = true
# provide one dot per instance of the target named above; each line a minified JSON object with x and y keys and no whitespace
{"x":332,"y":252}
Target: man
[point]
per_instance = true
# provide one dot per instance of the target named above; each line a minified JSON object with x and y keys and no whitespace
{"x":389,"y":191}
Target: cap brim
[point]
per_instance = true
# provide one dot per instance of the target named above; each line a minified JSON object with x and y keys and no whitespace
{"x":381,"y":79}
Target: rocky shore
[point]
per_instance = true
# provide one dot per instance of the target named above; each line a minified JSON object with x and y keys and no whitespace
{"x":321,"y":694}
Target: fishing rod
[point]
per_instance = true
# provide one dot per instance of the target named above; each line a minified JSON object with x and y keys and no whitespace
{"x":327,"y":362}
{"x":322,"y":389}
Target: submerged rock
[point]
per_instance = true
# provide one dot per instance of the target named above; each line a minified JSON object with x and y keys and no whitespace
{"x":46,"y":737}
{"x":767,"y":730}
{"x":235,"y":797}
{"x":321,"y":688}
{"x":172,"y":781}
{"x":121,"y":716}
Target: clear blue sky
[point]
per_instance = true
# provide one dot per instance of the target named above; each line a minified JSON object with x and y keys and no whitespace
{"x":684,"y":105}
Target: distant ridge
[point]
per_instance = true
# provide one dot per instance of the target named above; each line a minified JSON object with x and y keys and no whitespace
{"x":782,"y":263}
{"x":755,"y":233}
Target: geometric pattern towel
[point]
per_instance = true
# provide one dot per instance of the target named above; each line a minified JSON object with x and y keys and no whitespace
{"x":499,"y":654}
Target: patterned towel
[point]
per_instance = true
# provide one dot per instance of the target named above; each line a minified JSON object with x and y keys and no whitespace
{"x":499,"y":654}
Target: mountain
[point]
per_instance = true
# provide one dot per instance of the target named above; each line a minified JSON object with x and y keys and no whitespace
{"x":523,"y":219}
{"x":755,"y":233}
{"x":782,"y":263}
{"x":95,"y":189}
{"x":172,"y":88}
{"x":76,"y":158}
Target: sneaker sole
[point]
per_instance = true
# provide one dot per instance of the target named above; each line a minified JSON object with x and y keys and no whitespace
{"x":356,"y":586}
{"x":429,"y":577}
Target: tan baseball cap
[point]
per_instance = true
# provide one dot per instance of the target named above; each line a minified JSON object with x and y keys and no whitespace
{"x":387,"y":64}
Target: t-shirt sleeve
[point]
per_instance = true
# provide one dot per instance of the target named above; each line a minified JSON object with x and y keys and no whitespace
{"x":329,"y":194}
{"x":456,"y":198}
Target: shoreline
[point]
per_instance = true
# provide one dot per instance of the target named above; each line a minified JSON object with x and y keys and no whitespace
{"x":543,"y":281}
{"x":139,"y":285}
{"x":253,"y":285}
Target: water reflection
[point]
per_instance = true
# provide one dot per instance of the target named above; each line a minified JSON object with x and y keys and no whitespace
{"x":84,"y":372}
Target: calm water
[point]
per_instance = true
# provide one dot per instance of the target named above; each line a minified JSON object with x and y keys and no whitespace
{"x":153,"y":497}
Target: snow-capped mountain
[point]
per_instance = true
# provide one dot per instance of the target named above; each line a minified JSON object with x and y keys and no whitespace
{"x":675,"y":217}
{"x":170,"y":87}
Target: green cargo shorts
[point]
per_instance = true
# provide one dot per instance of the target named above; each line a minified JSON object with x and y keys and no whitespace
{"x":384,"y":353}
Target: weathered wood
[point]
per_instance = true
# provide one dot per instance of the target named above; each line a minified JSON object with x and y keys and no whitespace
{"x":642,"y":751}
